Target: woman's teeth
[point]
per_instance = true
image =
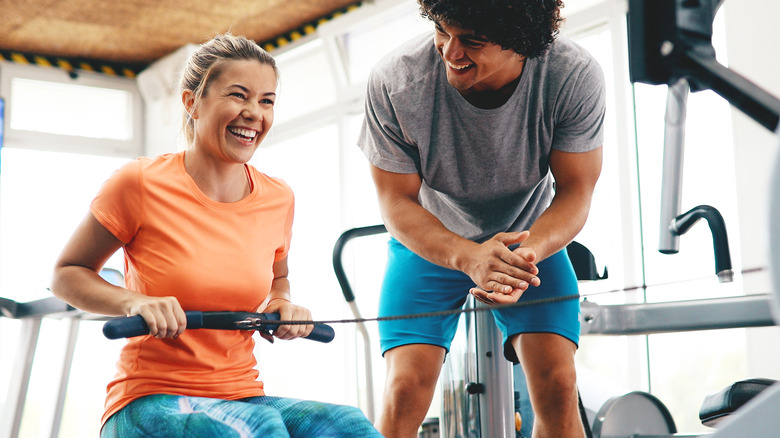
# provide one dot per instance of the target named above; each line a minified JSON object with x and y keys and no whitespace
{"x":248,"y":134}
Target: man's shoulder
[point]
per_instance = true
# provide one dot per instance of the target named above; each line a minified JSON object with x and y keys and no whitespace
{"x":566,"y":62}
{"x":564,"y":51}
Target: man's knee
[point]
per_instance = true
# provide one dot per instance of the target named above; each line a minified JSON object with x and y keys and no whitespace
{"x":556,"y":391}
{"x":412,"y":367}
{"x":409,"y":381}
{"x":560,"y":381}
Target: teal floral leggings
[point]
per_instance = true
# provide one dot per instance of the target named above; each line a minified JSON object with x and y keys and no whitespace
{"x":169,"y":416}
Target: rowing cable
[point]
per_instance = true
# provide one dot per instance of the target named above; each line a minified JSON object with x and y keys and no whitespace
{"x":534,"y":302}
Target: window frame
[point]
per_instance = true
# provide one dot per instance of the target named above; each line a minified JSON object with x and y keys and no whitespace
{"x":71,"y":143}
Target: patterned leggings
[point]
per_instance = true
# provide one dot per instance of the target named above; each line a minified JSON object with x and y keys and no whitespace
{"x":168,"y":416}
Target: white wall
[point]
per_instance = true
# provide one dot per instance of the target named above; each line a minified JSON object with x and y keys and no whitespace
{"x":159,"y":86}
{"x":753,"y":48}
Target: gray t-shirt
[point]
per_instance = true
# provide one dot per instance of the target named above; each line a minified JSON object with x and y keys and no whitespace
{"x":483,"y":171}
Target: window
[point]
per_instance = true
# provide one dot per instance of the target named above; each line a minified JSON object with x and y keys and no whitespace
{"x":93,"y":112}
{"x":306,"y":82}
{"x":310,"y":165}
{"x":372,"y":39}
{"x":64,"y":137}
{"x":88,"y":113}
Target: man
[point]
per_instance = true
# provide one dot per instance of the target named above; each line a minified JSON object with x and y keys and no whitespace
{"x":466,"y":133}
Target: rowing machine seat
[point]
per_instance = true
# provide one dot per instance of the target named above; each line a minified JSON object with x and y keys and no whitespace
{"x":720,"y":405}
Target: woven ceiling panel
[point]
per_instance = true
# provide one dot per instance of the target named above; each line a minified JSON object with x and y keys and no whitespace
{"x":141,"y":31}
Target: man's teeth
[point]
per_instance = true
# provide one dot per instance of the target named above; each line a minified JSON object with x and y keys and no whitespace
{"x":458,"y":67}
{"x":248,"y":133}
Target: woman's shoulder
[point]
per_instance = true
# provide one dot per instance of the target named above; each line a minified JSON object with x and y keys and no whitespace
{"x":268,"y":183}
{"x":145,"y":163}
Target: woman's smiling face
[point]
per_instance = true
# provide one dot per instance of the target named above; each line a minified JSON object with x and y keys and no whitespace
{"x":235,"y":112}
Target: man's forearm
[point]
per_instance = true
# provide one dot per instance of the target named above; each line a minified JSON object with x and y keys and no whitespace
{"x":424,"y":234}
{"x":559,"y":224}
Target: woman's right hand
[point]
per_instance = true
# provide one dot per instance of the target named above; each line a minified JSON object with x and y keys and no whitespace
{"x":163,"y":315}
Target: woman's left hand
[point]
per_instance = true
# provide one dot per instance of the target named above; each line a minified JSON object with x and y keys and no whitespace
{"x":290,"y":312}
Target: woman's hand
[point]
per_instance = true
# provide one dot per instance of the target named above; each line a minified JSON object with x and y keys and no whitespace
{"x":289,"y":312}
{"x":163,"y":315}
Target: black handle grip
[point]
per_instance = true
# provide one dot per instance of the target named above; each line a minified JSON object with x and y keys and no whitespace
{"x":131,"y":326}
{"x":320,"y":333}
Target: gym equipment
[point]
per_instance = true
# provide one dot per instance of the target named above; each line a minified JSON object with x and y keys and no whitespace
{"x":484,"y":404}
{"x":128,"y":327}
{"x":717,"y":407}
{"x":674,"y":224}
{"x":633,"y":415}
{"x":639,"y":414}
{"x":346,"y":289}
{"x":477,"y":382}
{"x":31,"y":315}
{"x":671,"y":40}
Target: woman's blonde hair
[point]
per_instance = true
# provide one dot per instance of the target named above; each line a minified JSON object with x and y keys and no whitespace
{"x":207,"y":63}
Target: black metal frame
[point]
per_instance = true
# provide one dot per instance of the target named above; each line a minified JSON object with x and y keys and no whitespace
{"x":672,"y":39}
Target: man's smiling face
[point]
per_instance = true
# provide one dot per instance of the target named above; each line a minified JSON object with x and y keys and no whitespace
{"x":473,"y":63}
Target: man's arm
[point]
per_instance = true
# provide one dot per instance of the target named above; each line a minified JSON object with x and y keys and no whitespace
{"x":491,"y":265}
{"x":575,"y":178}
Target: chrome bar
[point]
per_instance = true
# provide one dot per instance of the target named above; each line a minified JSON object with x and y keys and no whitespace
{"x":20,"y":378}
{"x":496,"y":403}
{"x":671,"y":179}
{"x":67,"y":363}
{"x":676,"y":316}
{"x":361,"y":327}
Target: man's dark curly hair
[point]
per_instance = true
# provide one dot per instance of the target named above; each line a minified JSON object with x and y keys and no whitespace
{"x":526,"y":26}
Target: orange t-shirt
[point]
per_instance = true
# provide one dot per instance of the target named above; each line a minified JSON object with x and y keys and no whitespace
{"x":211,"y":256}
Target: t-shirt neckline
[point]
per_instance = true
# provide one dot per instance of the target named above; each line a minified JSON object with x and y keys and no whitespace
{"x":198,"y":193}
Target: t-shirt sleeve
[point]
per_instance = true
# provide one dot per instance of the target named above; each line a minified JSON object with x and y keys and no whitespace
{"x":381,"y":137}
{"x":118,"y":205}
{"x":580,"y":112}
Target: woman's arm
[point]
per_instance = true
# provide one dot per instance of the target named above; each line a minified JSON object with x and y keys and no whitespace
{"x":77,"y":282}
{"x":279,"y":301}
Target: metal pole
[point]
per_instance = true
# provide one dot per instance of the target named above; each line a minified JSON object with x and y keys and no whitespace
{"x":496,"y":410}
{"x":67,"y":363}
{"x":20,"y":378}
{"x":671,"y":181}
{"x":361,"y":327}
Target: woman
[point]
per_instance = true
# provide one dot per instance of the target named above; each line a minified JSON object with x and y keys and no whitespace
{"x":200,"y":230}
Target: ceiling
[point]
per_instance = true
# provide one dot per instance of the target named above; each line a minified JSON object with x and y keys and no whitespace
{"x":133,"y":33}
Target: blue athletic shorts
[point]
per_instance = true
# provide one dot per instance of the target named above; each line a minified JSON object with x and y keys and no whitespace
{"x":415,"y":285}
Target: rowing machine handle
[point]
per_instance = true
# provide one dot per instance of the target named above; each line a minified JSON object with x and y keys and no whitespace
{"x":131,"y":326}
